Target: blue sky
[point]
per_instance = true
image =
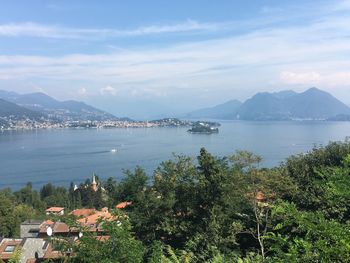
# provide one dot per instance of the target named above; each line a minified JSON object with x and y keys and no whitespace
{"x":142,"y":58}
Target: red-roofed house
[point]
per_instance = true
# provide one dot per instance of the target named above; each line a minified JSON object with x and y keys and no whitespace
{"x":92,"y":220}
{"x":122,"y":205}
{"x":83,"y":212}
{"x":55,"y":211}
{"x":31,"y":250}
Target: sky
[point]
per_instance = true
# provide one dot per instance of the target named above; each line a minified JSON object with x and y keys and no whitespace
{"x":161,"y":57}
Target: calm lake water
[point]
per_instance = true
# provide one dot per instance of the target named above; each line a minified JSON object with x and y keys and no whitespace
{"x":63,"y":156}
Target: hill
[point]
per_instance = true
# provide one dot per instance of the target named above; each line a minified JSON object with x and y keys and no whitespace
{"x":8,"y":109}
{"x":71,"y":109}
{"x":226,"y":110}
{"x":313,"y":104}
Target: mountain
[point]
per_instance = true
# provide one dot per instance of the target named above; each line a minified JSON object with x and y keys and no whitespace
{"x":17,"y":112}
{"x":284,"y":94}
{"x":316,"y":104}
{"x":263,"y":106}
{"x":340,"y":117}
{"x":41,"y":102}
{"x":226,"y":110}
{"x":311,"y":104}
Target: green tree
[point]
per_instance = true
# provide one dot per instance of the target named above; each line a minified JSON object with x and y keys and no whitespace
{"x":131,"y":185}
{"x":8,"y":220}
{"x":119,"y":247}
{"x":308,"y":236}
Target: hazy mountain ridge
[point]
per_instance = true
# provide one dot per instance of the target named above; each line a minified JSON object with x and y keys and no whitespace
{"x":40,"y":102}
{"x":11,"y":109}
{"x":221,"y":111}
{"x":311,"y":104}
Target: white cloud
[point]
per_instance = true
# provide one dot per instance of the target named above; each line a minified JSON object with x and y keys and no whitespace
{"x":313,"y":53}
{"x":333,"y":79}
{"x":339,"y":79}
{"x":108,"y":90}
{"x":52,"y":31}
{"x":82,"y":91}
{"x":343,"y":5}
{"x":308,"y":78}
{"x":34,"y":30}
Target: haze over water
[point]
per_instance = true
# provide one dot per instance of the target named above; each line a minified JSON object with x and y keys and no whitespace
{"x":72,"y":155}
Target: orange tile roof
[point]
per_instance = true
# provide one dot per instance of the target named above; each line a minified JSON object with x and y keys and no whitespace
{"x":103,"y":238}
{"x":48,"y":222}
{"x":57,"y":227}
{"x":52,"y":254}
{"x":260,"y":196}
{"x":83,"y":212}
{"x":91,"y":220}
{"x":55,"y":209}
{"x":122,"y":205}
{"x":8,"y":242}
{"x":94,"y":218}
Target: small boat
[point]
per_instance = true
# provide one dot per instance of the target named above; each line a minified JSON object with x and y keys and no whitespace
{"x":114,"y":150}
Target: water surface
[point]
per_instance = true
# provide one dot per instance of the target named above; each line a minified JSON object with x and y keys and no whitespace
{"x":62,"y":156}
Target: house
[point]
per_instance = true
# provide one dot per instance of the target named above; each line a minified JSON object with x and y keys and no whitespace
{"x":34,"y":243}
{"x":8,"y":246}
{"x":58,"y":229}
{"x":55,"y":211}
{"x":122,"y":205}
{"x":83,"y":212}
{"x":30,"y":228}
{"x":89,"y":219}
{"x":31,"y":249}
{"x":94,"y":219}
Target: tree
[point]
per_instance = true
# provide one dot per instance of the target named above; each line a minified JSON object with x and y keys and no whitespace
{"x":131,"y":185}
{"x":8,"y":220}
{"x":119,"y":247}
{"x":30,"y":197}
{"x":308,"y":236}
{"x":304,"y":171}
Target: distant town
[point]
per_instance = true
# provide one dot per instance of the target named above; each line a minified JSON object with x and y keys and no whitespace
{"x":8,"y":123}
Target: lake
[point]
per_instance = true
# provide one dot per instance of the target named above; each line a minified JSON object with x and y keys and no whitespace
{"x":72,"y":155}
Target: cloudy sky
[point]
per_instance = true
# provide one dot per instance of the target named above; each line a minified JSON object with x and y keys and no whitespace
{"x":141,"y":58}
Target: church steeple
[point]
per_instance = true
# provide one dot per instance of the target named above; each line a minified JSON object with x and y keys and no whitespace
{"x":94,"y":184}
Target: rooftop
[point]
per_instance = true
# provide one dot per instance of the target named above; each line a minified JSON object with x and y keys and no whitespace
{"x":122,"y":205}
{"x":83,"y":212}
{"x":55,"y":209}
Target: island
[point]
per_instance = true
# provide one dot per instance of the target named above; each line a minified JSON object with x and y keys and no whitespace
{"x":204,"y":128}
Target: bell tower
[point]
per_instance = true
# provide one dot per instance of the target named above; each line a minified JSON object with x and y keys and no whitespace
{"x":94,"y":184}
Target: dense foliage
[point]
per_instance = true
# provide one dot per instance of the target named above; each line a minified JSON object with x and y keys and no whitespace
{"x":213,"y":209}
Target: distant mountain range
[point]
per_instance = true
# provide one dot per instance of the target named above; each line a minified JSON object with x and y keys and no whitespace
{"x":41,"y":104}
{"x":17,"y":112}
{"x":312,"y":104}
